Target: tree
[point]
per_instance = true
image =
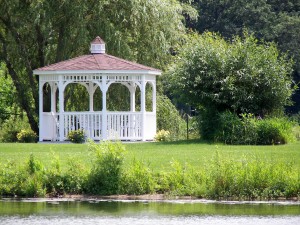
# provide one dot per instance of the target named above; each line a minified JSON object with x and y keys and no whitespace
{"x":242,"y":76}
{"x":273,"y":20}
{"x":7,"y":95}
{"x":36,"y":33}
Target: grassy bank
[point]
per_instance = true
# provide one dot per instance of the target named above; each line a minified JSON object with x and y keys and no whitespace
{"x":181,"y":168}
{"x":156,"y":155}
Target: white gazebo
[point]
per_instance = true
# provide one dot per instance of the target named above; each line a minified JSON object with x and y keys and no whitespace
{"x":97,"y":69}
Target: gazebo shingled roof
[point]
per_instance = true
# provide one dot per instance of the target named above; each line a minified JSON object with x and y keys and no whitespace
{"x":96,"y":62}
{"x":98,"y":40}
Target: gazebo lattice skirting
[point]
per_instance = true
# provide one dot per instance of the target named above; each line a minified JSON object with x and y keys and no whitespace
{"x":92,"y":71}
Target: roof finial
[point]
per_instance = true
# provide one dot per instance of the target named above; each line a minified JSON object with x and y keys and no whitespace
{"x":97,"y":46}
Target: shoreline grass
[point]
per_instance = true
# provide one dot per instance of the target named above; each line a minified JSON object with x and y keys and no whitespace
{"x":194,"y":169}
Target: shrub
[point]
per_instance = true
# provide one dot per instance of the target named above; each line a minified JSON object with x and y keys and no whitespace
{"x":11,"y":179}
{"x":296,"y":118}
{"x":193,"y":127}
{"x":76,"y":136}
{"x":181,"y":180}
{"x":54,"y":177}
{"x":34,"y":186}
{"x":247,"y":129}
{"x":75,"y":177}
{"x":138,"y":179}
{"x":229,"y":129}
{"x":105,"y":174}
{"x":296,"y":132}
{"x":208,"y":123}
{"x":274,"y":131}
{"x":162,"y":135}
{"x":253,"y":177}
{"x":169,"y":119}
{"x":26,"y":136}
{"x":34,"y":165}
{"x":11,"y":127}
{"x":235,"y":130}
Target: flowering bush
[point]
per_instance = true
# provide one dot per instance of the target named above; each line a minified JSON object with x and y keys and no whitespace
{"x":76,"y":136}
{"x":162,"y":135}
{"x":27,"y":136}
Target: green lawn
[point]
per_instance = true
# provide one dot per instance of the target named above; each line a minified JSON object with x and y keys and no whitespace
{"x":157,"y":155}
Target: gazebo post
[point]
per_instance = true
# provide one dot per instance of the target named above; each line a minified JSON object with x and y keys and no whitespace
{"x":104,"y":111}
{"x":154,"y":97}
{"x":53,"y":97}
{"x":91,"y":96}
{"x":61,"y":108}
{"x":41,"y":128}
{"x":132,"y":97}
{"x":143,"y":107}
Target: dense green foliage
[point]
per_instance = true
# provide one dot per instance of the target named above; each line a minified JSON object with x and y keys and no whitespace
{"x":219,"y":75}
{"x":216,"y":76}
{"x":251,"y":177}
{"x":168,"y":118}
{"x":250,"y":130}
{"x":7,"y":95}
{"x":11,"y":127}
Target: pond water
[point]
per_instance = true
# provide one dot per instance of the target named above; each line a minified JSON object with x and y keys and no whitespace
{"x":47,"y":211}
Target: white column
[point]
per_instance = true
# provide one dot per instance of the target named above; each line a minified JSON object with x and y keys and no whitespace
{"x":154,"y":106}
{"x":53,"y":97}
{"x":91,"y":94}
{"x":154,"y":97}
{"x":143,"y":107}
{"x":41,"y":128}
{"x":132,"y":97}
{"x":61,"y":108}
{"x":104,"y":88}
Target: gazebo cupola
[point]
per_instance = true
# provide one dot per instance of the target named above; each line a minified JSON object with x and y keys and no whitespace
{"x":97,"y":71}
{"x":97,"y":46}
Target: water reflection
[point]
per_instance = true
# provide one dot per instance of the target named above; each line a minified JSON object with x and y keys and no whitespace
{"x":147,"y":212}
{"x":161,"y":220}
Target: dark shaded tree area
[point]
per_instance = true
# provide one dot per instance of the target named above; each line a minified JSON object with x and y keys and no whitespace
{"x":271,"y":20}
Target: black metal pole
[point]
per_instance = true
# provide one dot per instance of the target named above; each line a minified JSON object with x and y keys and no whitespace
{"x":187,"y":126}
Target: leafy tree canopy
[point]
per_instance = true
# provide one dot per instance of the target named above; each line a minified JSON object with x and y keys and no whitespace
{"x":242,"y":76}
{"x":272,"y":20}
{"x":7,"y":93}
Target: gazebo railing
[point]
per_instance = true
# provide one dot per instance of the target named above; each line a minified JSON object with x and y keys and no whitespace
{"x":90,"y":122}
{"x":120,"y":125}
{"x":124,"y":125}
